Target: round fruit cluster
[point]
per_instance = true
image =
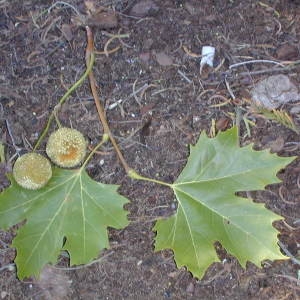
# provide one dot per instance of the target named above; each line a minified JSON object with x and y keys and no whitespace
{"x":66,"y":147}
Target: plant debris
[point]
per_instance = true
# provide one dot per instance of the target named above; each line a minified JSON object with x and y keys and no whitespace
{"x":38,"y":64}
{"x":144,"y":8}
{"x":275,"y":91}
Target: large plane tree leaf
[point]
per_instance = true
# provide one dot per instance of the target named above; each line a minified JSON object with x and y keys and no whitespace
{"x":209,"y":209}
{"x":71,"y":213}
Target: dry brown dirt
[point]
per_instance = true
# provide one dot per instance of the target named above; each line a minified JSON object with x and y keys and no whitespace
{"x":164,"y":103}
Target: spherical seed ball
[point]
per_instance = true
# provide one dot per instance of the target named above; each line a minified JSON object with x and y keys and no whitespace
{"x":32,"y":171}
{"x":66,"y":147}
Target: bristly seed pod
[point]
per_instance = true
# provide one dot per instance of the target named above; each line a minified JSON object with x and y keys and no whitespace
{"x":32,"y":171}
{"x":66,"y":147}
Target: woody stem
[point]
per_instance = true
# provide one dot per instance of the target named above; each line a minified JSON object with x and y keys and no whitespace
{"x":90,"y":55}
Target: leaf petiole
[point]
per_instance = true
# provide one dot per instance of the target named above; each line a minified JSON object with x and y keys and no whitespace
{"x":134,"y":175}
{"x":104,"y":139}
{"x":63,"y":99}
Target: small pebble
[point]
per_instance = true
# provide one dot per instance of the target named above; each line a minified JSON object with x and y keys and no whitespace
{"x":190,"y":288}
{"x":295,"y":109}
{"x":144,"y":56}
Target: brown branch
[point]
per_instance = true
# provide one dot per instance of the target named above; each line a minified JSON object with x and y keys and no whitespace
{"x":101,"y":113}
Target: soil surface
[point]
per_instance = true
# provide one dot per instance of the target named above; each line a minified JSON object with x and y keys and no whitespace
{"x":157,"y":102}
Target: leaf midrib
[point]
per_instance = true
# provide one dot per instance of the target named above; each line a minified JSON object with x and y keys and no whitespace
{"x":83,"y":216}
{"x":217,"y":178}
{"x":39,"y":195}
{"x":190,"y":231}
{"x":217,"y":213}
{"x":55,"y":215}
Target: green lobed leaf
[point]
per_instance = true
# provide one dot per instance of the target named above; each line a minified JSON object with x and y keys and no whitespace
{"x":72,"y":213}
{"x":209,"y":210}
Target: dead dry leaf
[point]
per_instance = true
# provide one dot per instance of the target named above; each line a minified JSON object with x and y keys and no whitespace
{"x":103,"y":19}
{"x":54,"y":284}
{"x":163,"y":59}
{"x":144,"y":8}
{"x":287,"y":52}
{"x":67,"y":32}
{"x":276,"y":145}
{"x":274,"y":91}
